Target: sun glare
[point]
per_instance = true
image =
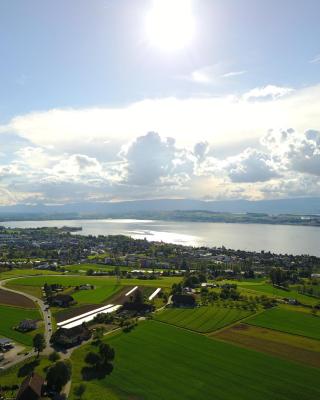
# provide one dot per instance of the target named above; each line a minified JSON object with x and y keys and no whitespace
{"x":170,"y":24}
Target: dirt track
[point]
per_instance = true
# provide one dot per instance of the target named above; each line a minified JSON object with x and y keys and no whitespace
{"x":15,"y":299}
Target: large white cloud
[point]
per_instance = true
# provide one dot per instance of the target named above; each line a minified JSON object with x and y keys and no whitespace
{"x":216,"y":119}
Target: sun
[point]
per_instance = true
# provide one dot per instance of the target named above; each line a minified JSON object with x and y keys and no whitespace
{"x":170,"y":24}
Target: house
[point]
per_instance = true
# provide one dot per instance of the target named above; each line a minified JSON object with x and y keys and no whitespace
{"x":6,"y":344}
{"x":71,"y":337}
{"x":27,"y":325}
{"x":31,"y":388}
{"x":183,"y":300}
{"x":62,"y":300}
{"x":86,"y":287}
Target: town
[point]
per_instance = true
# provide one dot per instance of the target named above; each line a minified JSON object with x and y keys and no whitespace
{"x":66,"y":299}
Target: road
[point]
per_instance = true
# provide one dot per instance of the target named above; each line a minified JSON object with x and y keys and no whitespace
{"x":46,"y":315}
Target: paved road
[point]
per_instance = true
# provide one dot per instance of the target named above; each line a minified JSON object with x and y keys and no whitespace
{"x":46,"y":314}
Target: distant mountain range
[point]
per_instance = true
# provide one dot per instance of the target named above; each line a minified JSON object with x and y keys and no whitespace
{"x":100,"y":209}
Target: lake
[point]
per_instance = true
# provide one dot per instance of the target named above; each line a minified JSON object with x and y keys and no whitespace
{"x":254,"y":237}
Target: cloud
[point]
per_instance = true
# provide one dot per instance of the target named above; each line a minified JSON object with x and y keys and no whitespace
{"x":149,"y":159}
{"x":295,"y":151}
{"x":269,"y":92}
{"x":315,"y":60}
{"x":218,"y":120}
{"x":205,"y":75}
{"x":251,"y":166}
{"x":233,"y":73}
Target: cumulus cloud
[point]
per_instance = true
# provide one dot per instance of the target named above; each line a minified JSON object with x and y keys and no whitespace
{"x":251,"y":166}
{"x":151,"y":159}
{"x":296,"y":151}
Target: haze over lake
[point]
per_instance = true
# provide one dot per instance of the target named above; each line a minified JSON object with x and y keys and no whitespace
{"x":253,"y":237}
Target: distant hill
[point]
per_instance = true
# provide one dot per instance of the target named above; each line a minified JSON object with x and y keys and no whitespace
{"x":92,"y":209}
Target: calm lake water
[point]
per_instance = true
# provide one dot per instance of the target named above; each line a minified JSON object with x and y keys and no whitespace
{"x":255,"y":237}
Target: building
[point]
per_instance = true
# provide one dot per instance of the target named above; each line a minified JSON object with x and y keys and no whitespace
{"x":71,"y":337}
{"x":31,"y":388}
{"x":27,"y":325}
{"x":6,"y":344}
{"x":62,"y":300}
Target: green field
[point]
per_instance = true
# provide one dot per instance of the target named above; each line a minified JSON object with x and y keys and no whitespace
{"x":25,"y":272}
{"x":202,"y":319}
{"x":158,"y":361}
{"x":256,"y":288}
{"x":104,"y":286}
{"x":10,"y":317}
{"x":294,"y":322}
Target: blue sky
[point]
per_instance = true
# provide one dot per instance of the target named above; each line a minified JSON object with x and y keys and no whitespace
{"x":81,"y":87}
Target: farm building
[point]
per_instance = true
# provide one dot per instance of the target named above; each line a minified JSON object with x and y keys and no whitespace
{"x":6,"y":344}
{"x":62,"y":300}
{"x":31,"y":388}
{"x":71,"y":337}
{"x":27,"y":325}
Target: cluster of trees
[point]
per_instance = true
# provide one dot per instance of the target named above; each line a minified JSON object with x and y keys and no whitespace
{"x":101,"y":361}
{"x":58,"y":375}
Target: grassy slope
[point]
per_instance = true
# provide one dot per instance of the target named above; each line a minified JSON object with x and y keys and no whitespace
{"x":203,"y":319}
{"x":294,"y":322}
{"x":265,"y":288}
{"x":10,"y":317}
{"x":157,"y":361}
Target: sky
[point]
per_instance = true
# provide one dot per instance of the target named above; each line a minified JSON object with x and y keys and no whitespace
{"x":109,"y":100}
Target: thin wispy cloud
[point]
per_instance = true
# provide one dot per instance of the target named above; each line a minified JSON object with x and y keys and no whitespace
{"x":315,"y":60}
{"x":233,"y":73}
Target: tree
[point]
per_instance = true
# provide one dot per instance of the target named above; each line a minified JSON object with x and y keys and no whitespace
{"x":138,"y":297}
{"x":39,"y":343}
{"x":54,"y":356}
{"x":79,"y":390}
{"x":58,"y":375}
{"x":93,"y":359}
{"x":106,"y":353}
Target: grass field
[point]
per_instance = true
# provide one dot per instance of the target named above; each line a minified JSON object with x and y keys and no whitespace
{"x":202,"y":319}
{"x":25,"y":272}
{"x":104,"y":286}
{"x":10,"y":317}
{"x":294,"y":322}
{"x":280,"y":344}
{"x":158,"y":361}
{"x":258,"y":288}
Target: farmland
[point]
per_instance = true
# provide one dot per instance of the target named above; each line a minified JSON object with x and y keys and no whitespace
{"x":10,"y":317}
{"x":15,"y":299}
{"x":104,"y":287}
{"x":203,"y":319}
{"x":293,"y":322}
{"x":280,"y":344}
{"x":200,"y":366}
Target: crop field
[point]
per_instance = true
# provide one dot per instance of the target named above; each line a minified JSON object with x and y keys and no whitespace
{"x":104,"y":287}
{"x":15,"y":299}
{"x":148,"y":357}
{"x":280,"y":344}
{"x":202,"y":319}
{"x":10,"y":317}
{"x":257,"y":288}
{"x":294,"y":322}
